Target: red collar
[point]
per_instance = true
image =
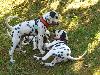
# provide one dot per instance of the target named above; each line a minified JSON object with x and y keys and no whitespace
{"x":44,"y":22}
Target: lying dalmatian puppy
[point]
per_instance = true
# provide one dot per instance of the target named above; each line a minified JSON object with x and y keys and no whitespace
{"x":35,"y":27}
{"x":58,"y":49}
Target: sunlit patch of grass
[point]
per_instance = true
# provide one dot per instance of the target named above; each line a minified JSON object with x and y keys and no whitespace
{"x":77,"y":66}
{"x":97,"y":36}
{"x":7,"y":6}
{"x":94,"y":44}
{"x":73,"y":24}
{"x":54,"y":5}
{"x":78,"y":4}
{"x":97,"y":71}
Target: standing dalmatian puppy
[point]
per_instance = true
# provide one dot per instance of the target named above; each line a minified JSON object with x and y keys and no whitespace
{"x":36,"y":27}
{"x":32,"y":40}
{"x":58,"y":49}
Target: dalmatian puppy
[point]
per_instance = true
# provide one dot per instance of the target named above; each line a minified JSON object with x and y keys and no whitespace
{"x":36,"y":27}
{"x":59,"y":49}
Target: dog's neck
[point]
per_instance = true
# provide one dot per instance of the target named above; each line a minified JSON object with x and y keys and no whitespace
{"x":44,"y":21}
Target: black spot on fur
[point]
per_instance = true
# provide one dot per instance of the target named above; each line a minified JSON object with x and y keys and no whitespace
{"x":19,"y":24}
{"x":19,"y":37}
{"x":13,"y":32}
{"x":42,"y":35}
{"x":18,"y":31}
{"x":44,"y":39}
{"x":53,"y":54}
{"x":68,"y":49}
{"x":18,"y":27}
{"x":59,"y":55}
{"x":61,"y":52}
{"x":64,"y":49}
{"x":62,"y":57}
{"x":40,"y":58}
{"x":54,"y":49}
{"x":17,"y":46}
{"x":57,"y":45}
{"x":45,"y":30}
{"x":67,"y":54}
{"x":12,"y":35}
{"x":59,"y":31}
{"x":56,"y":17}
{"x":12,"y":45}
{"x":52,"y":14}
{"x":44,"y":27}
{"x":15,"y":28}
{"x":32,"y":29}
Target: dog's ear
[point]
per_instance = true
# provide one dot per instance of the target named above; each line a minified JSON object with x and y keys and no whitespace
{"x":63,"y":36}
{"x":52,"y":14}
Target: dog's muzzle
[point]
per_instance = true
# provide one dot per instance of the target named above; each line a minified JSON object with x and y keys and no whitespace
{"x":54,"y":23}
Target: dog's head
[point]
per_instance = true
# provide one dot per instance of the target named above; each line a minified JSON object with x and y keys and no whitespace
{"x":60,"y":35}
{"x":51,"y":18}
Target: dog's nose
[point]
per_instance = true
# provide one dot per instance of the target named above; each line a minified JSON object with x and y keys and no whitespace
{"x":57,"y":23}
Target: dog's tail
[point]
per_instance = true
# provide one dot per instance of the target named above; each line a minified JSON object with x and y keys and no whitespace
{"x":8,"y":33}
{"x":80,"y":57}
{"x":8,"y":19}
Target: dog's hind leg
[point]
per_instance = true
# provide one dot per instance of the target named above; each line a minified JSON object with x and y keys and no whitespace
{"x":15,"y":42}
{"x":55,"y":60}
{"x":50,"y":53}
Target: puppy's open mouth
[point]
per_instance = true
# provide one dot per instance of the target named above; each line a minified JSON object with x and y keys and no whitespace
{"x":54,"y":23}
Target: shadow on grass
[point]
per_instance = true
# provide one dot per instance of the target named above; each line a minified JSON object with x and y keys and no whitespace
{"x":86,"y":21}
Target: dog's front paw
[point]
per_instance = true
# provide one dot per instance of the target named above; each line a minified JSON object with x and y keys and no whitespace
{"x":37,"y":58}
{"x":12,"y":61}
{"x":42,"y":63}
{"x":48,"y":64}
{"x":34,"y":49}
{"x":42,"y":52}
{"x":23,"y":51}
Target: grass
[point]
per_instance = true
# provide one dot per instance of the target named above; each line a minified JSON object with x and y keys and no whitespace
{"x":82,"y":23}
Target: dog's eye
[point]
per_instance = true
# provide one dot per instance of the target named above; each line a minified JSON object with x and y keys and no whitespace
{"x":56,"y":17}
